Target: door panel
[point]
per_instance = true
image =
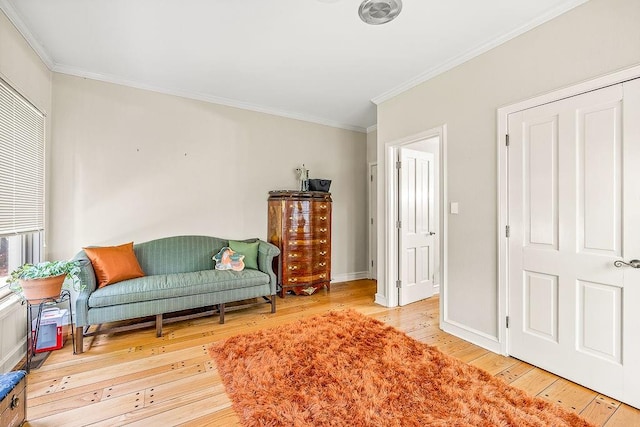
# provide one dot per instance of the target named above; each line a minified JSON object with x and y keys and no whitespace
{"x":599,"y":316}
{"x":599,"y":162}
{"x":573,"y":211}
{"x":541,"y":175}
{"x":541,"y":305}
{"x":416,"y":240}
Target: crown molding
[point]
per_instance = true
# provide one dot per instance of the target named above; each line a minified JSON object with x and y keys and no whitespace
{"x":22,"y":28}
{"x":372,"y":128}
{"x":78,"y":72}
{"x":458,"y":60}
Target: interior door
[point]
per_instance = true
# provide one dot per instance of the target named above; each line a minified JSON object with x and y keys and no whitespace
{"x":574,"y":211}
{"x":417,"y":230}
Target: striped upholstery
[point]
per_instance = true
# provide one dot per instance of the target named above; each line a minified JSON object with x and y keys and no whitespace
{"x":180,"y":254}
{"x":179,"y":275}
{"x":164,"y":286}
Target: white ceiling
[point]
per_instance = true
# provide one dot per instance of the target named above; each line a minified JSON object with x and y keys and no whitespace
{"x":309,"y":59}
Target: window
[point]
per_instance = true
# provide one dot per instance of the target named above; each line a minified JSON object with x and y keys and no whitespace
{"x":21,"y":182}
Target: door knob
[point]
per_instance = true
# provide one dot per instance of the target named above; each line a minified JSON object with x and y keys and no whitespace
{"x":431,"y":233}
{"x":635,"y":263}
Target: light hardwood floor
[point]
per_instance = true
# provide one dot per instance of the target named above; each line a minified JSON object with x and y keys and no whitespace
{"x":136,"y":378}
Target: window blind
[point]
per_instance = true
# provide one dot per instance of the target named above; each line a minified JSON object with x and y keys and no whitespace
{"x":21,"y":164}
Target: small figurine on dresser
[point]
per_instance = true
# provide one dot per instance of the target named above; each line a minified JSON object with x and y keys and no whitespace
{"x":303,"y":177}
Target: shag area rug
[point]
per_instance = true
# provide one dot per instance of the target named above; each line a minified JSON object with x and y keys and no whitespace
{"x":346,"y":369}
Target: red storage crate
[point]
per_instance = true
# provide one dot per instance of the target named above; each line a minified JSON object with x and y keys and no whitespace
{"x":52,"y":332}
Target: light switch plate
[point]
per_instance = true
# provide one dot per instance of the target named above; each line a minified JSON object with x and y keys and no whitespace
{"x":454,"y":208}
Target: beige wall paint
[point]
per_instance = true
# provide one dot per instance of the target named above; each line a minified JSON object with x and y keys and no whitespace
{"x":130,"y":164}
{"x":593,"y":39}
{"x":22,"y":68}
{"x":372,"y":146}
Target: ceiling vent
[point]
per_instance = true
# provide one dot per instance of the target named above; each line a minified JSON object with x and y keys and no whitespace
{"x":376,"y":12}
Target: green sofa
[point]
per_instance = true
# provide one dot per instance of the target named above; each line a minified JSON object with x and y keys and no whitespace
{"x":179,"y":275}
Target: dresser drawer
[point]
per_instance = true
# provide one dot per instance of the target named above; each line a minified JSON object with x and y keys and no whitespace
{"x":321,"y":207}
{"x":307,"y":220}
{"x":315,"y":277}
{"x":320,"y":267}
{"x":315,"y":242}
{"x":294,"y":269}
{"x":321,"y":232}
{"x":297,"y":206}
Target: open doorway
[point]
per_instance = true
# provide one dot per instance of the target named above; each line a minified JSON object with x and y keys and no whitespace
{"x":415,"y":223}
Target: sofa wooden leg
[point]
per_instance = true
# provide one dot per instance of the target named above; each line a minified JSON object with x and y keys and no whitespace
{"x":158,"y":325}
{"x":273,"y":303}
{"x":221,"y":310}
{"x":78,"y":336}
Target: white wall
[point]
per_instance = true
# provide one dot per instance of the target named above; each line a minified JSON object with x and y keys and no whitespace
{"x":130,"y":164}
{"x":593,"y":39}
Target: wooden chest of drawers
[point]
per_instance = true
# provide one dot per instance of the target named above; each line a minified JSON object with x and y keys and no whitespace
{"x":300,"y":225}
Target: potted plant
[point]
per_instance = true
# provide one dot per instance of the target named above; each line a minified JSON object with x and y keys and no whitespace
{"x":43,"y":280}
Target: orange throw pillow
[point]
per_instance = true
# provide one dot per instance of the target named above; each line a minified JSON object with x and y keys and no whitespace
{"x":114,"y":263}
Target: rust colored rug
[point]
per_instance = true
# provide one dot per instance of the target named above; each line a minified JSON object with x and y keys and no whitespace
{"x":346,"y":369}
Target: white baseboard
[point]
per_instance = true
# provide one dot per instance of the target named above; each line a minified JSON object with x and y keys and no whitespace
{"x":381,"y":300}
{"x":472,"y":335}
{"x":350,"y":276}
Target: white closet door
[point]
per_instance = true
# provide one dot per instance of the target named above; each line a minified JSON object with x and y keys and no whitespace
{"x":574,"y":210}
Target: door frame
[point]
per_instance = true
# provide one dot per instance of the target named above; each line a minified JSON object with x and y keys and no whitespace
{"x":372,"y":211}
{"x":503,"y":205}
{"x":391,"y":212}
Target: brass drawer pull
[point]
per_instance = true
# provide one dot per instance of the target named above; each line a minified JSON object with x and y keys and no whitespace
{"x":293,"y":255}
{"x":15,"y":402}
{"x":322,"y":276}
{"x":323,"y":230}
{"x":323,"y":241}
{"x":322,"y":264}
{"x":293,"y":279}
{"x":293,"y":243}
{"x":323,"y":206}
{"x":293,"y":267}
{"x":323,"y":218}
{"x":323,"y":252}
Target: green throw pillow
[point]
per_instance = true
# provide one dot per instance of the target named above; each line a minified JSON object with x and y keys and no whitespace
{"x":249,"y":250}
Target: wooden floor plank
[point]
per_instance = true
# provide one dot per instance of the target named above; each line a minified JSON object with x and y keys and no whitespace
{"x":225,"y":417}
{"x":534,"y":381}
{"x":135,"y":378}
{"x":493,"y":363}
{"x":514,"y":371}
{"x":624,"y":416}
{"x":600,"y":410}
{"x":569,"y":395}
